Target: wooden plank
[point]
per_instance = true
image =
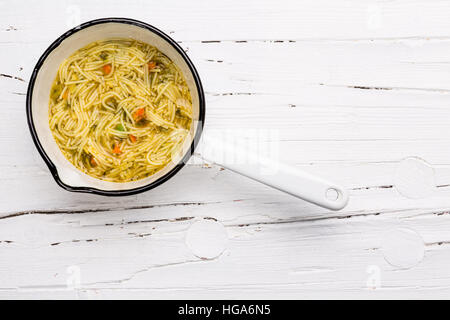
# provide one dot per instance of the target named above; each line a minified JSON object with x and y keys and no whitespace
{"x":231,"y":20}
{"x":290,"y":258}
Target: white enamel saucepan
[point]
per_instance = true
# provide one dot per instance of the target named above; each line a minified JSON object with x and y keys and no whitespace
{"x":285,"y":178}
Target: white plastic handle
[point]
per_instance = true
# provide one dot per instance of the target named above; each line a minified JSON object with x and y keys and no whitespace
{"x":286,"y":178}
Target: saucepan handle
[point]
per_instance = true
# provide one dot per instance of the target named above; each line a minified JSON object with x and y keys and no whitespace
{"x":271,"y":172}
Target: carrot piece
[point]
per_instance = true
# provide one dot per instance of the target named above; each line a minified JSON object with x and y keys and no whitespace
{"x":107,"y":69}
{"x":133,"y":138}
{"x":116,"y":149}
{"x":139,"y":114}
{"x":151,"y":65}
{"x":66,"y":94}
{"x":93,"y":162}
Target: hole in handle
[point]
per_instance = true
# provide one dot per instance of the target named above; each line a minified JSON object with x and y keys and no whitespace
{"x":332,"y":194}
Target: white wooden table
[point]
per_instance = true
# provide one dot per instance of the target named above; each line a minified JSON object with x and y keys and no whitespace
{"x":351,"y":89}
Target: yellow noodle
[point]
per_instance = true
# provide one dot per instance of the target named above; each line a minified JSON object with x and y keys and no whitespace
{"x":95,"y":102}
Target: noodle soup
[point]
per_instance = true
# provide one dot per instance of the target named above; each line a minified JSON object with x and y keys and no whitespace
{"x":119,"y":110}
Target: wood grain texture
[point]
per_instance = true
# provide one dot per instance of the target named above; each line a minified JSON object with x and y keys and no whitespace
{"x":342,"y":89}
